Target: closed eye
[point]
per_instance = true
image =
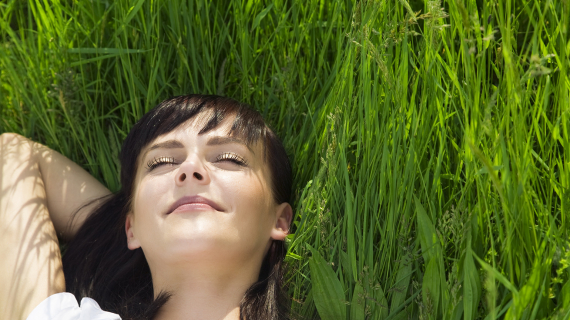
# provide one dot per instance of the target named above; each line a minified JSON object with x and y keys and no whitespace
{"x":152,"y":164}
{"x":232,"y":157}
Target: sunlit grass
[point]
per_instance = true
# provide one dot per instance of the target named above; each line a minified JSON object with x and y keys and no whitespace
{"x":430,"y":140}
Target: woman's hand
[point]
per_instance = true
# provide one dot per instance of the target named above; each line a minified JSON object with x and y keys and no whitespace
{"x":39,"y":191}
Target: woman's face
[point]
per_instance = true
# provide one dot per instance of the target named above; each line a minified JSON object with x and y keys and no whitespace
{"x":205,"y":197}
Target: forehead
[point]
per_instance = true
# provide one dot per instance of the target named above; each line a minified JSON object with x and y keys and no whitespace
{"x":191,"y":129}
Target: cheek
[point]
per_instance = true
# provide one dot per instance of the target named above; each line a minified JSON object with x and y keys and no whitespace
{"x":148,"y":196}
{"x":252,"y":201}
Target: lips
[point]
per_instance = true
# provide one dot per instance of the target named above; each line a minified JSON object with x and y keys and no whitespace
{"x":193,"y":202}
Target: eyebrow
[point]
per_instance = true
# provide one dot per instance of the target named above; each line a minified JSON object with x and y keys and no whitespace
{"x":168,"y":144}
{"x":214,"y":141}
{"x":219,"y":140}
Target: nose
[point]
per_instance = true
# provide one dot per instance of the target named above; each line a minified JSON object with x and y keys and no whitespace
{"x":196,"y":175}
{"x":192,"y":170}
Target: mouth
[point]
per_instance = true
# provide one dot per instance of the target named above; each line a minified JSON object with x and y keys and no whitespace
{"x":193,"y":203}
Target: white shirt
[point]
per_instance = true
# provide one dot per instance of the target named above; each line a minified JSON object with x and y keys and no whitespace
{"x":63,"y":306}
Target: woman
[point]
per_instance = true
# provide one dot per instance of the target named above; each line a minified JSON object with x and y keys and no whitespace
{"x":196,"y":231}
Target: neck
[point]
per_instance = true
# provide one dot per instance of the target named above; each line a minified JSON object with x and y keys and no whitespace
{"x":207,"y":301}
{"x":204,"y":293}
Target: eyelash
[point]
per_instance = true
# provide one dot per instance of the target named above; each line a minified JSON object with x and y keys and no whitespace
{"x":232,"y":157}
{"x":227,"y":156}
{"x":159,"y":161}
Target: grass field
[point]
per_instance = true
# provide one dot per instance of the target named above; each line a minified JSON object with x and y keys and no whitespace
{"x":430,"y":140}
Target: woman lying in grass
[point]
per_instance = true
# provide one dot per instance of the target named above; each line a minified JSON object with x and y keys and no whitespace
{"x":196,"y":231}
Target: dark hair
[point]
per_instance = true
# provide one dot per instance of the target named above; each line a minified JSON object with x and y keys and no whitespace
{"x":99,"y":265}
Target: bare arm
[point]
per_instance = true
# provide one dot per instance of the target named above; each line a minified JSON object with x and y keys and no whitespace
{"x":68,"y":188}
{"x":39,"y":190}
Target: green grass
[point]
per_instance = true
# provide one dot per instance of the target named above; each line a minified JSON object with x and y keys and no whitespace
{"x":430,"y":140}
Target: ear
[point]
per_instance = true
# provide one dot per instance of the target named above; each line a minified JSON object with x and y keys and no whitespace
{"x":283,"y":217}
{"x":132,"y":242}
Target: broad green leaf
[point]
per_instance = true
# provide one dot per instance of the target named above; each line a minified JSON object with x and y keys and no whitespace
{"x":427,"y":234}
{"x":471,"y":287}
{"x":401,"y":286}
{"x":358,"y":303}
{"x":328,"y":292}
{"x":380,"y":304}
{"x":431,"y":286}
{"x":345,"y":263}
